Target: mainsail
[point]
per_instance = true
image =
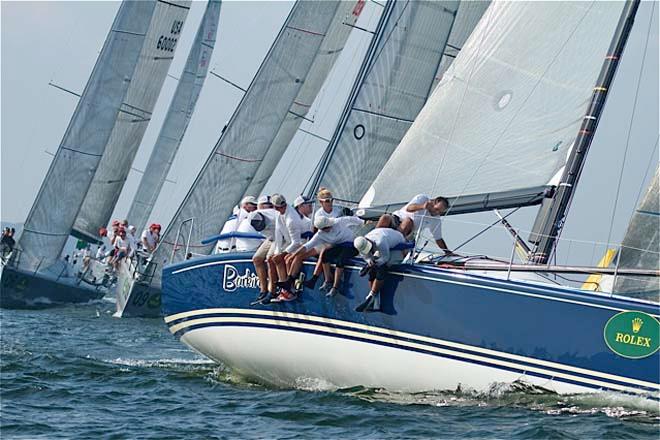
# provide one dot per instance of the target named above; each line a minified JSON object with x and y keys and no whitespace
{"x":640,"y":248}
{"x":395,"y":82}
{"x":241,"y":148}
{"x":333,"y":43}
{"x":178,"y":116}
{"x":507,"y":111}
{"x":146,"y":83}
{"x":70,"y":174}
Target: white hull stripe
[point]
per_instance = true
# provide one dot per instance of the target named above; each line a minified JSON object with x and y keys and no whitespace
{"x":575,"y":380}
{"x":401,"y":340}
{"x":437,"y":280}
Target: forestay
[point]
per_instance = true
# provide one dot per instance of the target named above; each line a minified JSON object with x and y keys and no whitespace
{"x":640,"y":248}
{"x":241,"y":148}
{"x":155,"y":59}
{"x":507,"y":111}
{"x":395,"y":82}
{"x":333,"y":44}
{"x":70,"y":174}
{"x":178,"y":116}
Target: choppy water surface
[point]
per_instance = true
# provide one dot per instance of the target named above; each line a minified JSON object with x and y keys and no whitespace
{"x":78,"y":372}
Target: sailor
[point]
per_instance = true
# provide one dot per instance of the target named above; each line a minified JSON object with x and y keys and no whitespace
{"x":421,"y":212}
{"x":107,"y":248}
{"x":376,"y":249}
{"x":112,"y":232}
{"x":263,"y":202}
{"x":151,"y":237}
{"x":292,"y":229}
{"x":132,"y":241}
{"x":331,"y":233}
{"x":122,"y":247}
{"x":263,"y":221}
{"x":227,"y":244}
{"x":327,"y":209}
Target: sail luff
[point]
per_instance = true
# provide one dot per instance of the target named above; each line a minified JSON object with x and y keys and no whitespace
{"x":333,"y":44}
{"x":238,"y":153}
{"x":149,"y":76}
{"x":398,"y":82}
{"x":555,"y":219}
{"x":70,"y":173}
{"x":178,"y":117}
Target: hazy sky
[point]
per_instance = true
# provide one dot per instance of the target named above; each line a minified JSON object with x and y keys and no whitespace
{"x":59,"y":42}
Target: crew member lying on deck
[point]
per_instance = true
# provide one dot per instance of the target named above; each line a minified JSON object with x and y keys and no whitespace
{"x":376,"y":249}
{"x":420,"y":213}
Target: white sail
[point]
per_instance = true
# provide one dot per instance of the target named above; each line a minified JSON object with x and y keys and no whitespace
{"x":507,"y":111}
{"x":333,"y":43}
{"x":241,"y":148}
{"x":178,"y":116}
{"x":396,"y":81}
{"x":70,"y":174}
{"x":146,"y":83}
{"x":640,"y":248}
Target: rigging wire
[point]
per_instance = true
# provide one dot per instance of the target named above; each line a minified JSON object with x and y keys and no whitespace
{"x":630,"y":124}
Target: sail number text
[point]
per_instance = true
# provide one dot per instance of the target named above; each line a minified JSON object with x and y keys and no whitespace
{"x":168,"y":43}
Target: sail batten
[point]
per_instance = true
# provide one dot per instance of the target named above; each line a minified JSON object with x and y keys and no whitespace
{"x":70,"y":174}
{"x":178,"y":117}
{"x":241,"y":148}
{"x":395,"y":84}
{"x":506,"y":113}
{"x":130,"y":126}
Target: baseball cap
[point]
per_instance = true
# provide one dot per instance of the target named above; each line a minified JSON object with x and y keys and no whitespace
{"x":362,"y":245}
{"x":321,"y":222}
{"x":278,"y":200}
{"x":249,"y":199}
{"x":263,"y":199}
{"x":301,"y":200}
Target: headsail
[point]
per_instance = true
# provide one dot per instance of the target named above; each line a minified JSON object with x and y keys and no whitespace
{"x":394,"y":84}
{"x":146,"y":83}
{"x":333,"y":44}
{"x":178,"y":116}
{"x":506,"y":113}
{"x":241,"y":148}
{"x":640,"y":248}
{"x":70,"y":174}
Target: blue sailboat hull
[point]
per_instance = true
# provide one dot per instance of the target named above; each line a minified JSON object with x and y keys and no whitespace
{"x":443,"y":322}
{"x":23,"y":290}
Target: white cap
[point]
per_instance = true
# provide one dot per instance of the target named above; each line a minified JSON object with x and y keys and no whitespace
{"x":301,"y":200}
{"x":362,"y":245}
{"x":249,"y":199}
{"x":278,"y":200}
{"x":321,"y":222}
{"x":263,"y":199}
{"x":131,"y":229}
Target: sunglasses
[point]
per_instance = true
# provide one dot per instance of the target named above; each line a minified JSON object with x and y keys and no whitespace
{"x":325,"y":200}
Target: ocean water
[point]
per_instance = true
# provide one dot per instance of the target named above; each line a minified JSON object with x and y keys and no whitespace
{"x":77,"y":372}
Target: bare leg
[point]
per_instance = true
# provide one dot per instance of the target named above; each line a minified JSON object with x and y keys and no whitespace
{"x":327,"y":273}
{"x":339,"y":271}
{"x":262,"y":273}
{"x":280,"y":266}
{"x":406,"y":227}
{"x":385,"y":221}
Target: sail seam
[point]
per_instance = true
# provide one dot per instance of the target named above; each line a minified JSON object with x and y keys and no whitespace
{"x":306,"y":31}
{"x":81,"y":152}
{"x":383,"y":115}
{"x":236,"y":158}
{"x":174,"y":4}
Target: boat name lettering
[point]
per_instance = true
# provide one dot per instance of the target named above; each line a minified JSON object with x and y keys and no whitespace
{"x":231,"y":279}
{"x":633,"y":335}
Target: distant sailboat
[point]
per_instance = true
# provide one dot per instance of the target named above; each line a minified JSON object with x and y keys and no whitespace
{"x":35,"y":276}
{"x":508,"y":125}
{"x":263,"y":114}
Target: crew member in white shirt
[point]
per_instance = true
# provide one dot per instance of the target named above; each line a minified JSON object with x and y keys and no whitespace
{"x":376,"y":249}
{"x":331,"y":232}
{"x":327,"y":209}
{"x":264,"y":221}
{"x":151,"y":237}
{"x":132,"y":241}
{"x":421,"y":213}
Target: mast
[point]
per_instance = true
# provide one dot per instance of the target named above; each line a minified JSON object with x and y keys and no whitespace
{"x":553,"y":222}
{"x":364,"y":70}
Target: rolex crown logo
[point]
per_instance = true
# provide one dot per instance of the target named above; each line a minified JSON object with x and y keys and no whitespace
{"x":637,"y":324}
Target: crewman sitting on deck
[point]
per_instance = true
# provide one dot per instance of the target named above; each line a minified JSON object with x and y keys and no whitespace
{"x":376,"y":249}
{"x":420,"y":213}
{"x":263,"y":221}
{"x":331,"y":233}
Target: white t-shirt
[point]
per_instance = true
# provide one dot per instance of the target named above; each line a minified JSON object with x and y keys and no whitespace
{"x":247,"y":244}
{"x":422,"y":218}
{"x":384,"y":239}
{"x":288,"y":231}
{"x":132,"y":242}
{"x":230,"y":226}
{"x":336,"y":212}
{"x":270,"y":218}
{"x":152,"y":239}
{"x":340,"y":232}
{"x":122,"y":243}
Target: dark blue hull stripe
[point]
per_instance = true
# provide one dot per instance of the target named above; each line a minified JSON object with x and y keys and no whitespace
{"x":521,"y":370}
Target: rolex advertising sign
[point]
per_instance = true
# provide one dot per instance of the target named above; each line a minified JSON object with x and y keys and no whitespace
{"x":634,"y":335}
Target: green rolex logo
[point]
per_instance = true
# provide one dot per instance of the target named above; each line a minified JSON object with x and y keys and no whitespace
{"x":634,"y":335}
